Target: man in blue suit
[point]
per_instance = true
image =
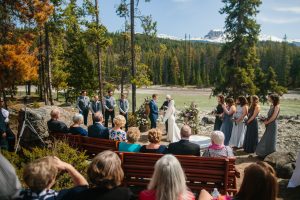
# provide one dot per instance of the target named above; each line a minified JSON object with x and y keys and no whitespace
{"x":97,"y":130}
{"x":153,"y":111}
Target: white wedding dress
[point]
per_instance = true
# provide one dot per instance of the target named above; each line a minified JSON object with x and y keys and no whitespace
{"x":173,"y":130}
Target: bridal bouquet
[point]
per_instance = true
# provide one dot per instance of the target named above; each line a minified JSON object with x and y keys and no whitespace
{"x":190,"y":116}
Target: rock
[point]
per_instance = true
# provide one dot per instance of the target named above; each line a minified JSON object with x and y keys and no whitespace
{"x":283,"y":163}
{"x":208,"y":120}
{"x":38,"y":119}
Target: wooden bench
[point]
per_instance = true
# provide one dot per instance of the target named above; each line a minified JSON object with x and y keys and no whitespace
{"x":201,"y":173}
{"x":91,"y":145}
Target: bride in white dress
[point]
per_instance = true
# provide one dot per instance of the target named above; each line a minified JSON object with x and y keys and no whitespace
{"x":173,"y":130}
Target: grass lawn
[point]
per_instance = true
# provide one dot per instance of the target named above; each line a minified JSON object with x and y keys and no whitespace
{"x":207,"y":104}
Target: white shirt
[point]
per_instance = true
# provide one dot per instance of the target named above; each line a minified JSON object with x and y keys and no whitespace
{"x":5,"y":114}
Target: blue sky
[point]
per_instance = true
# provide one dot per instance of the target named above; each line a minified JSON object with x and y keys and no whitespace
{"x":197,"y":17}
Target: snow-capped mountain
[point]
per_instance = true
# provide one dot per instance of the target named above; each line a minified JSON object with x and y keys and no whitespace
{"x":218,"y":36}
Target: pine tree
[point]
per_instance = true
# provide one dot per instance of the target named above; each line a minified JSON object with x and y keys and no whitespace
{"x":239,"y":52}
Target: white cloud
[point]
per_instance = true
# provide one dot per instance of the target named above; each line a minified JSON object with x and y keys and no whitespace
{"x":288,"y":9}
{"x":279,"y":20}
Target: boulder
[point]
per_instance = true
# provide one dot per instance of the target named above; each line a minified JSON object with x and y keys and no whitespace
{"x":283,"y":163}
{"x":208,"y":120}
{"x":38,"y":118}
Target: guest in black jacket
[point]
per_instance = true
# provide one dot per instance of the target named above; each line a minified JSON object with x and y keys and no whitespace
{"x":55,"y":126}
{"x":184,"y":146}
{"x":97,"y":130}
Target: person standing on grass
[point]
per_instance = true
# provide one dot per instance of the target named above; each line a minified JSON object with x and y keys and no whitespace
{"x":251,"y":137}
{"x":164,"y":108}
{"x":83,"y":105}
{"x":219,"y":113}
{"x":7,"y":137}
{"x":267,"y":143}
{"x":109,"y":105}
{"x":124,"y":108}
{"x":153,"y":111}
{"x":227,"y":123}
{"x":239,"y":127}
{"x":95,"y":106}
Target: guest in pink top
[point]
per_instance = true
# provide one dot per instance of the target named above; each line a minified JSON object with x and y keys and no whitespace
{"x":217,"y":147}
{"x":168,"y":182}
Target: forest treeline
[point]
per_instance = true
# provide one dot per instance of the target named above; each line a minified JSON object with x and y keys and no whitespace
{"x":62,"y":45}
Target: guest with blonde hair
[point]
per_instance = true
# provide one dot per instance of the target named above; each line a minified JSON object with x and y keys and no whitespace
{"x":40,"y":176}
{"x":217,"y":147}
{"x":75,"y":128}
{"x":105,"y":174}
{"x":154,"y":137}
{"x":168,"y":182}
{"x":116,"y":133}
{"x":133,"y":135}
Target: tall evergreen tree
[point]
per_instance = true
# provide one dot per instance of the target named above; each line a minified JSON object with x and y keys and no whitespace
{"x":239,"y":52}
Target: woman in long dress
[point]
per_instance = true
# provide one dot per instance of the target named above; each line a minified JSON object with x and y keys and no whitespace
{"x":226,"y":127}
{"x":239,"y":127}
{"x":267,"y":143}
{"x":219,"y":113}
{"x":173,"y":130}
{"x":251,"y":136}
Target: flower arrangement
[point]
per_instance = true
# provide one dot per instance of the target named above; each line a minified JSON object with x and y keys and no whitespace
{"x":190,"y":116}
{"x":142,"y":114}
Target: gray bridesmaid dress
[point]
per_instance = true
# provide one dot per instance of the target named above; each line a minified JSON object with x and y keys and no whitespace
{"x":267,"y":143}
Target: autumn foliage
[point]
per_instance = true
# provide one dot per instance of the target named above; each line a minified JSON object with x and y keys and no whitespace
{"x":17,"y":63}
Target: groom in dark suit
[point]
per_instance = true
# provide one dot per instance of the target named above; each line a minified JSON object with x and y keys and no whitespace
{"x":153,"y":111}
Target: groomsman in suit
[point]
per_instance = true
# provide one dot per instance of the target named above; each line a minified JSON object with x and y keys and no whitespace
{"x":83,"y":105}
{"x":95,"y":106}
{"x":124,"y":108}
{"x":164,"y":107}
{"x":109,"y":105}
{"x":153,"y":111}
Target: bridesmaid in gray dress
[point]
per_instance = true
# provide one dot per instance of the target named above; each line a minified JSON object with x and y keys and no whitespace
{"x":267,"y":144}
{"x":227,"y":124}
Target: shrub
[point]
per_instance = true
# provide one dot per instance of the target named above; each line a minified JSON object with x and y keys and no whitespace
{"x":60,"y":149}
{"x":36,"y":105}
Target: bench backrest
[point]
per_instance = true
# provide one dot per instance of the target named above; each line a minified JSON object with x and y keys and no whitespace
{"x":201,"y":173}
{"x":91,"y":145}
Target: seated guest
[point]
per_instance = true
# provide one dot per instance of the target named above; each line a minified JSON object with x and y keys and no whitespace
{"x":75,"y":128}
{"x":133,"y":135}
{"x":217,"y":147}
{"x":116,"y":133}
{"x":55,"y":126}
{"x":97,"y":130}
{"x":168,"y":182}
{"x":154,"y":137}
{"x":259,"y":183}
{"x":105,"y":174}
{"x":40,"y":176}
{"x":9,"y":182}
{"x":184,"y":146}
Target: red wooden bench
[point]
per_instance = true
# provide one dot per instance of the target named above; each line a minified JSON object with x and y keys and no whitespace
{"x":201,"y":173}
{"x":91,"y":145}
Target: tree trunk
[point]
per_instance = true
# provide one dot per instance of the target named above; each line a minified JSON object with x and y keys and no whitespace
{"x":98,"y":49}
{"x":42,"y":93}
{"x":48,"y":63}
{"x":133,"y":69}
{"x":29,"y":88}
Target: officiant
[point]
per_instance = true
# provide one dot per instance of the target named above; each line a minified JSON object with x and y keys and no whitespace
{"x":164,"y":107}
